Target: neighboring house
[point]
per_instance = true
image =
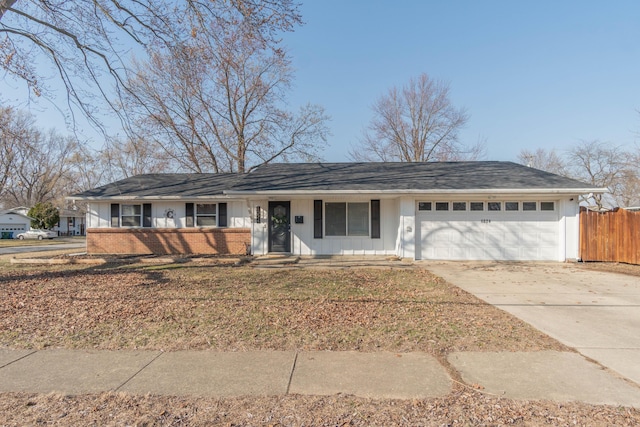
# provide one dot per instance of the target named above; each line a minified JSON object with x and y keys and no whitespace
{"x":440,"y":211}
{"x":72,"y":223}
{"x":12,"y":222}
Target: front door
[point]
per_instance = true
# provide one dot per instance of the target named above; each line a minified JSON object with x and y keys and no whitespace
{"x":279,"y":227}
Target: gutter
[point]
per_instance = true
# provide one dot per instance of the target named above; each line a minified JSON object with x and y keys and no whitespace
{"x":567,"y":191}
{"x":232,"y":195}
{"x":162,"y":198}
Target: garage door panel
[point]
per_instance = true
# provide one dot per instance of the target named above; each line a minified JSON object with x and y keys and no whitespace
{"x":548,"y":239}
{"x":473,"y":239}
{"x":513,"y":238}
{"x":511,"y":253}
{"x":507,"y":239}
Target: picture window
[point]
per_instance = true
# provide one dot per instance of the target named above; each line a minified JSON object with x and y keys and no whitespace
{"x":347,"y":219}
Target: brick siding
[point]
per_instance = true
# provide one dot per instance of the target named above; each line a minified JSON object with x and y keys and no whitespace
{"x":168,"y":241}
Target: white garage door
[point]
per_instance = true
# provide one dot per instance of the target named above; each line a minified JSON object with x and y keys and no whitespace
{"x":13,"y":228}
{"x":524,"y":231}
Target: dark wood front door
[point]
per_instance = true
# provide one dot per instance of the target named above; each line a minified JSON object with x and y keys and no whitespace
{"x":279,"y":227}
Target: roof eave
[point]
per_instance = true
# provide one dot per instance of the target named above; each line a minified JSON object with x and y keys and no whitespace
{"x":238,"y":194}
{"x":134,"y":198}
{"x":567,"y":191}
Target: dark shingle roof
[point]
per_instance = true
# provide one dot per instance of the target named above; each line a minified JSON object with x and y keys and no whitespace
{"x":343,"y":177}
{"x":163,"y":185}
{"x":401,"y":176}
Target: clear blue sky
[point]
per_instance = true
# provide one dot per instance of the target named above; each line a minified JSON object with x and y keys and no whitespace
{"x":534,"y":74}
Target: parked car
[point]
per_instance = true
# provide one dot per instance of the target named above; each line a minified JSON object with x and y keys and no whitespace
{"x":37,"y":234}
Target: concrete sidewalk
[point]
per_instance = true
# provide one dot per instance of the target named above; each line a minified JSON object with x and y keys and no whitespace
{"x":539,"y":375}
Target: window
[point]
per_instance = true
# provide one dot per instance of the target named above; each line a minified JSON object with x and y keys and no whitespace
{"x":336,"y":219}
{"x":131,"y":215}
{"x":358,"y":219}
{"x":206,"y":214}
{"x":494,"y":206}
{"x":347,"y":219}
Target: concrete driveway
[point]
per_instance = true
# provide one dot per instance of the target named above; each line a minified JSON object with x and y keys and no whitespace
{"x":597,"y":313}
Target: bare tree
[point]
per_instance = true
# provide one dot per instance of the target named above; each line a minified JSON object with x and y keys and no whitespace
{"x":600,"y":164}
{"x":87,"y":44}
{"x":597,"y":163}
{"x":87,"y":171}
{"x":214,"y":103}
{"x":542,"y":159}
{"x":12,"y":128}
{"x":40,"y":162}
{"x":122,"y":159}
{"x":417,"y":123}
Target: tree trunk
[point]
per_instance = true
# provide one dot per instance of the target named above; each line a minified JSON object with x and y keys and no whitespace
{"x":5,"y":5}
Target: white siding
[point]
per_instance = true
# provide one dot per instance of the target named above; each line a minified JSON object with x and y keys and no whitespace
{"x":570,"y":211}
{"x":405,"y":231}
{"x":406,"y":240}
{"x":14,"y":223}
{"x":259,"y":237}
{"x":303,"y":243}
{"x":99,"y":213}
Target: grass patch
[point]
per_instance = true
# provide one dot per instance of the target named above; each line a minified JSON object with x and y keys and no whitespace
{"x":225,"y":308}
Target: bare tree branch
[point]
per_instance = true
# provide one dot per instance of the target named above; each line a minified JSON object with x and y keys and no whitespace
{"x":217,"y":106}
{"x":88,"y":40}
{"x":416,"y":123}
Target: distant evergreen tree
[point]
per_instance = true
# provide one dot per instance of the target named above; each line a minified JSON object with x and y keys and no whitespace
{"x":44,"y":215}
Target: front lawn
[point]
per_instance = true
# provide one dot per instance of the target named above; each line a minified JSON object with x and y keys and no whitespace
{"x":235,"y":309}
{"x":186,"y":306}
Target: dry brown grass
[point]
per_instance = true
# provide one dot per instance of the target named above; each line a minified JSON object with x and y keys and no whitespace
{"x":182,"y":307}
{"x":459,"y":408}
{"x":224,"y":308}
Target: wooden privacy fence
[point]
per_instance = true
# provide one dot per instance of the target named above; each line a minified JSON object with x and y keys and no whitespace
{"x":612,"y":236}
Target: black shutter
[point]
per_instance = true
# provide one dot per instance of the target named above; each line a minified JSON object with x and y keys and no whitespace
{"x":188,"y":207}
{"x":222,"y":214}
{"x":375,"y":219}
{"x":317,"y":219}
{"x":146,"y":215}
{"x":115,"y":215}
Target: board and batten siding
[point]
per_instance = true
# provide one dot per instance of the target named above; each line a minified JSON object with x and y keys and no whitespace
{"x":302,"y":235}
{"x":99,"y":213}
